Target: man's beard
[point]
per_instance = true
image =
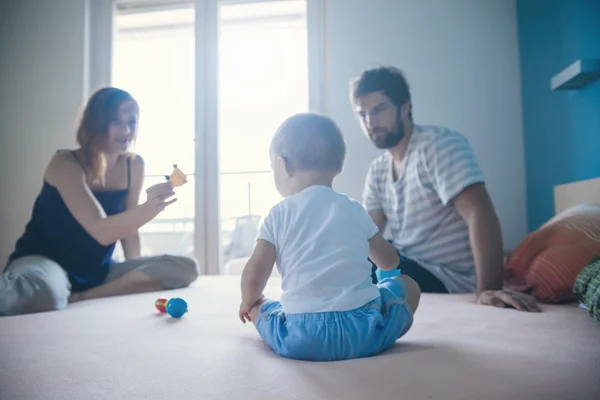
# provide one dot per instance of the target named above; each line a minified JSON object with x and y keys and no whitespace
{"x":390,"y":139}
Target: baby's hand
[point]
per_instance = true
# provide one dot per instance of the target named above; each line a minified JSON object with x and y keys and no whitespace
{"x":245,"y":312}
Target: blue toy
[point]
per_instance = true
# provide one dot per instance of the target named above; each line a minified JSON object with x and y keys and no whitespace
{"x":176,"y":307}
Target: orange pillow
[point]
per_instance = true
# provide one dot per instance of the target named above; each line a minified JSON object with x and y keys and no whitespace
{"x":546,"y":263}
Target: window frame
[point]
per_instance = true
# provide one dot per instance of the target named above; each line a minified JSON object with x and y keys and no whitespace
{"x":99,"y":54}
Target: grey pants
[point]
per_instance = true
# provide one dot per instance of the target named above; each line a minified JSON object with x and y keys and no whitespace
{"x":36,"y":284}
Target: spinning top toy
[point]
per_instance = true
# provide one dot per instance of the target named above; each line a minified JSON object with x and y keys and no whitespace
{"x":177,"y":177}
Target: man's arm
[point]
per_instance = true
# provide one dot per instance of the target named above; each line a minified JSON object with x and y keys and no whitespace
{"x":379,"y":219}
{"x":458,"y":180}
{"x":455,"y":173}
{"x":475,"y":206}
{"x":372,"y":201}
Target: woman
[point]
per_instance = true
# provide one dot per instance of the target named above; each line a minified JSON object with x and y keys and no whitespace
{"x":89,"y":201}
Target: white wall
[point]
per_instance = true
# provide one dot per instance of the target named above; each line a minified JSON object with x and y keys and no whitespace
{"x":461,"y":60}
{"x":41,"y":92}
{"x":460,"y":57}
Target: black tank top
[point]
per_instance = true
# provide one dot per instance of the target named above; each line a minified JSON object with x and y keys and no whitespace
{"x":53,"y":232}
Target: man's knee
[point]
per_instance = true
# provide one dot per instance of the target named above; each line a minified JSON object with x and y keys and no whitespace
{"x":413,"y":290}
{"x":178,"y":271}
{"x":34,"y":284}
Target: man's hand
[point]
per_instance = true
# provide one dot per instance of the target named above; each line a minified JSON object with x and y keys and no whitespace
{"x":508,"y":298}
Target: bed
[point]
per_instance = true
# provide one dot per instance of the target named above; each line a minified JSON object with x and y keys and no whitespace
{"x":121,"y":348}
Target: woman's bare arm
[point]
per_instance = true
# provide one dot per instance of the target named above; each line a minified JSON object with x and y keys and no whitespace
{"x":132,"y":244}
{"x":66,"y":174}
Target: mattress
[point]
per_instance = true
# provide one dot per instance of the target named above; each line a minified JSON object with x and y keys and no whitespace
{"x":122,"y":348}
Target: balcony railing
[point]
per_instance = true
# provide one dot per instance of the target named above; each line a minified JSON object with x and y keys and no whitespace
{"x":242,"y":194}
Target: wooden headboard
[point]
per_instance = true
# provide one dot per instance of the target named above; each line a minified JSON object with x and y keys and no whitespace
{"x":575,"y":193}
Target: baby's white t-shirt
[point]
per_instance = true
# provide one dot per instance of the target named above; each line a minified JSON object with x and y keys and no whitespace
{"x":321,"y":239}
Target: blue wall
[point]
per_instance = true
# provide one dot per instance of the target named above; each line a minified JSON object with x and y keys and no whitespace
{"x":561,"y":129}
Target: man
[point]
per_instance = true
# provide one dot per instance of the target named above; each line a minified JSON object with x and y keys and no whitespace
{"x":429,"y":190}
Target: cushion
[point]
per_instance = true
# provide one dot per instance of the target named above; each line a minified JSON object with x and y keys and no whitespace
{"x":547,"y":261}
{"x":587,"y":288}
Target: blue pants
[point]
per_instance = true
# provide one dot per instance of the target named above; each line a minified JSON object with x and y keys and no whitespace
{"x":332,"y":336}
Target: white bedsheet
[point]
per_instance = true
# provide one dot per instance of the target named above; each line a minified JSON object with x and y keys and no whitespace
{"x":119,"y":348}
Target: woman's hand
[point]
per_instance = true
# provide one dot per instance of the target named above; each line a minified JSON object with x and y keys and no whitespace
{"x":160,"y":189}
{"x":157,"y":196}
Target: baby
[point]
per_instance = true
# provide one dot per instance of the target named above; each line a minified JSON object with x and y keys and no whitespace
{"x":321,"y":241}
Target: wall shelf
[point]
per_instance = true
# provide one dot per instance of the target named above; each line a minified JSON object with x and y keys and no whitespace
{"x":577,"y":75}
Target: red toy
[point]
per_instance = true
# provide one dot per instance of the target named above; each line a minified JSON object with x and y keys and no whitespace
{"x":161,"y":305}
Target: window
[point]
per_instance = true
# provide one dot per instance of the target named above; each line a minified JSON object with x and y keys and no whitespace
{"x":262,"y":67}
{"x":263,"y":79}
{"x":153,"y":59}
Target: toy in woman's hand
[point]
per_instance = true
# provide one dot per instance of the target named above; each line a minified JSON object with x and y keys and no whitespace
{"x":175,"y":307}
{"x":177,"y":177}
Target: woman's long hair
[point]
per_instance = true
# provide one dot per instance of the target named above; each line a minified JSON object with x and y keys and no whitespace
{"x":92,"y":134}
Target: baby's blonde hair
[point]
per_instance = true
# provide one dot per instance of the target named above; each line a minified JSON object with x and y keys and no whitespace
{"x":310,"y":142}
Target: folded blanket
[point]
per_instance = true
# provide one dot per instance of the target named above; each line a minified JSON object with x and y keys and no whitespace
{"x":587,"y":288}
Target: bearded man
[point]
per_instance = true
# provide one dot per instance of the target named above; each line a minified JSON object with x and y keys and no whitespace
{"x":428,"y":189}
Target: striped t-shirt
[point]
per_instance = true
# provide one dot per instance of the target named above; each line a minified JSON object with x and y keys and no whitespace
{"x":425,"y":227}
